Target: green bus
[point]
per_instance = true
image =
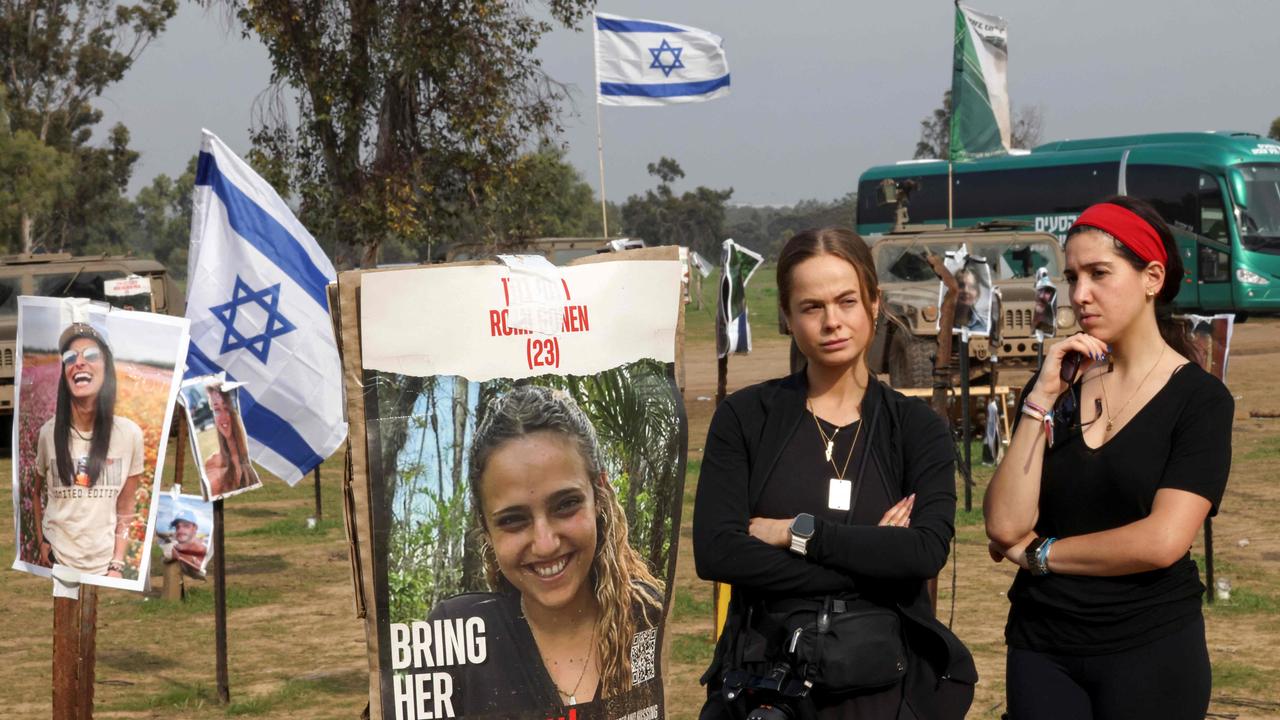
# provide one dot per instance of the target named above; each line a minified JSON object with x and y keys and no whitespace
{"x":1219,"y":191}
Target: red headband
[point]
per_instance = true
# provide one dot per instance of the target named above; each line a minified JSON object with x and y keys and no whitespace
{"x":1126,"y":226}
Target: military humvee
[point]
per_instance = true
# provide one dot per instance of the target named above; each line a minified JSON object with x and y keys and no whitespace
{"x":124,"y":282}
{"x":910,"y":290}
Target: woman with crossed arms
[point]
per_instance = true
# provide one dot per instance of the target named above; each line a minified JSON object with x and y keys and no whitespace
{"x":1110,"y":473}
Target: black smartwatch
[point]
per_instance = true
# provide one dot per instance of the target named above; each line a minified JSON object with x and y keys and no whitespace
{"x":802,"y":530}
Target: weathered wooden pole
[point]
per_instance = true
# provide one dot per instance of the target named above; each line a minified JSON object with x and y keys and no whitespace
{"x":220,"y":605}
{"x":319,"y":509}
{"x":75,"y":630}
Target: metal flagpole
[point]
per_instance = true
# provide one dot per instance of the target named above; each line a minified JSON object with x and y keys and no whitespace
{"x":595,"y":53}
{"x":950,"y":188}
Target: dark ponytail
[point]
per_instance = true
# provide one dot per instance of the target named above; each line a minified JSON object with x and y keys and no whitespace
{"x":1174,"y":332}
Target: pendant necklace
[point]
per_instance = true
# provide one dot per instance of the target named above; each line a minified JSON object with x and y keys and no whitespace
{"x":586,"y":662}
{"x":830,"y":442}
{"x":1103,"y":382}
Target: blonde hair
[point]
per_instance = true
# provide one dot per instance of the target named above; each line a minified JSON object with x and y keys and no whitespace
{"x":620,"y":577}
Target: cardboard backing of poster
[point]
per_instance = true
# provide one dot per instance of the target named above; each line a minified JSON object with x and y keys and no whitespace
{"x":474,"y":560}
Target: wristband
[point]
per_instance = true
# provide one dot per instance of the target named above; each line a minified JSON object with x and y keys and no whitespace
{"x":117,"y":565}
{"x":1042,"y":557}
{"x":1034,"y":414}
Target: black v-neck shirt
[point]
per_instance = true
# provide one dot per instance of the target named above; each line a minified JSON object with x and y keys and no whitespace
{"x":1180,"y":439}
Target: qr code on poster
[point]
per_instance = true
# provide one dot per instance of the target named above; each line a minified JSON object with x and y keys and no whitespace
{"x":643,"y":649}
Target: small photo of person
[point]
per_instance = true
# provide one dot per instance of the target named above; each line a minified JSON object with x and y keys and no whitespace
{"x":95,"y":389}
{"x":218,"y":439}
{"x":572,"y":613}
{"x":184,"y":524}
{"x":1044,"y":319}
{"x":973,"y":297}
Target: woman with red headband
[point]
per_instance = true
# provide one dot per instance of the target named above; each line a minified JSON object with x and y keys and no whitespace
{"x":1122,"y":449}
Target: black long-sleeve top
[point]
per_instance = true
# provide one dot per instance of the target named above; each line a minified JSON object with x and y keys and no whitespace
{"x":909,"y":447}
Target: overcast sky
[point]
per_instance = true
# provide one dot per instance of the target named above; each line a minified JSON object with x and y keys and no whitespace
{"x":817,"y":96}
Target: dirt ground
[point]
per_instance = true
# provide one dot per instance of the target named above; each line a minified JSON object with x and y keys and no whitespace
{"x":297,"y":650}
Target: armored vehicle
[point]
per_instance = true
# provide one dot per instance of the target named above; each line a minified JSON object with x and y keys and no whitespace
{"x":911,"y":289}
{"x":124,"y":282}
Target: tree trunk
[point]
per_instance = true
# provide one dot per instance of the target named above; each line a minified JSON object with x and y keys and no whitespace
{"x":26,"y":232}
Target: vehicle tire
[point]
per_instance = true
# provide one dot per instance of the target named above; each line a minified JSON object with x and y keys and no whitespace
{"x":910,"y":361}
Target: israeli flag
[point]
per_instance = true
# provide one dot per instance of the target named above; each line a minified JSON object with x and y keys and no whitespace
{"x":259,"y":311}
{"x":644,"y":62}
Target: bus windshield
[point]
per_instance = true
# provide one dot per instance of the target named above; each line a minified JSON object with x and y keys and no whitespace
{"x":1260,"y":217}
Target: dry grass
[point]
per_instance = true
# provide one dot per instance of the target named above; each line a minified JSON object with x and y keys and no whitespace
{"x":298,"y":651}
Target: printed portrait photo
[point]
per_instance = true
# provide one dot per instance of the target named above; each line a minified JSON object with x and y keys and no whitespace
{"x":478,"y":493}
{"x":974,"y":292}
{"x":218,"y":439}
{"x":96,"y":389}
{"x":184,"y":532}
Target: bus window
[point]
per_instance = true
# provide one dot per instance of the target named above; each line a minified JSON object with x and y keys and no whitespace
{"x":1033,"y":191}
{"x":1214,"y":265}
{"x":1213,"y":222}
{"x":928,"y":203}
{"x":1172,"y":191}
{"x":1260,"y":216}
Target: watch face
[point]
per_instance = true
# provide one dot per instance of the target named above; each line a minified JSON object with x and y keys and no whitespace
{"x":802,"y":525}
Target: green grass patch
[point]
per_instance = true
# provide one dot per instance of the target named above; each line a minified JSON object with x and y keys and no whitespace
{"x":1268,"y":448}
{"x":295,"y":525}
{"x":175,"y":696}
{"x":691,"y":604}
{"x":1229,"y":675}
{"x":200,"y":601}
{"x":1243,"y":602}
{"x":692,"y":649}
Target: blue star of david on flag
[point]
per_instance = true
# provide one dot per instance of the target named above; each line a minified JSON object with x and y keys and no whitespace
{"x":268,"y":299}
{"x":666,"y":68}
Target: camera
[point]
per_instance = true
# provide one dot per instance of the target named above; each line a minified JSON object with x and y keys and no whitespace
{"x":772,"y":712}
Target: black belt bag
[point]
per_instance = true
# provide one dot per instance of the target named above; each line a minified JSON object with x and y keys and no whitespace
{"x":848,"y":649}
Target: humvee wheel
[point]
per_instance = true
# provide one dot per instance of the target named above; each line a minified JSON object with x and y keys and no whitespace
{"x":910,"y":361}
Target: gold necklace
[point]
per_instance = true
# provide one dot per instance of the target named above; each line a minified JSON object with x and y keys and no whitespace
{"x":831,"y":442}
{"x":1103,"y":383}
{"x":586,"y":662}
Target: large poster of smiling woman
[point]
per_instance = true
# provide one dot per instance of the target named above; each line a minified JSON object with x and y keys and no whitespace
{"x":526,"y":463}
{"x":96,"y":389}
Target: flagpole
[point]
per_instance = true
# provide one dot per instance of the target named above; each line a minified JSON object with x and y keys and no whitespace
{"x":604,"y":213}
{"x":950,"y":190}
{"x":595,"y":55}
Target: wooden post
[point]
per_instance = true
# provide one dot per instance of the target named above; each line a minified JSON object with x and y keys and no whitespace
{"x":319,"y":509}
{"x":174,"y":587}
{"x":75,"y":629}
{"x":220,"y":604}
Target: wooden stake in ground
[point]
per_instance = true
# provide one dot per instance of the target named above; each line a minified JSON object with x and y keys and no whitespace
{"x":220,"y":604}
{"x":319,"y":510}
{"x":174,"y":588}
{"x":75,"y":630}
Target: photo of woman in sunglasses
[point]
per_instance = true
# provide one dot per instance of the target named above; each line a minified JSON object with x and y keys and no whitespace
{"x":88,"y":462}
{"x":94,"y":390}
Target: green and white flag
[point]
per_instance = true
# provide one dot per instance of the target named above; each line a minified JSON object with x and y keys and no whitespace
{"x":979,"y":86}
{"x":733,"y":333}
